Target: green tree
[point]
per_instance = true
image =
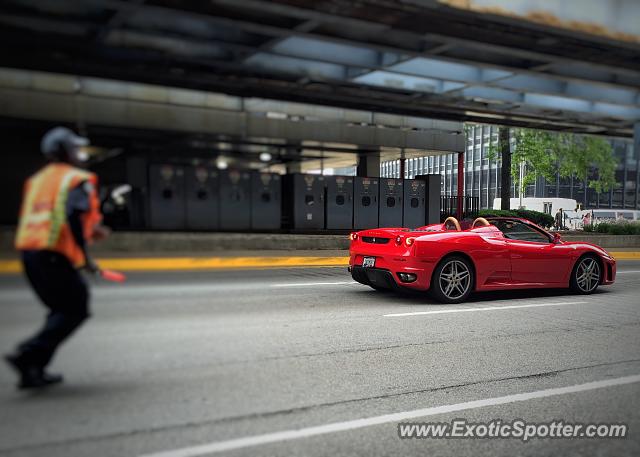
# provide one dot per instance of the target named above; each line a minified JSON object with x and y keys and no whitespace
{"x":549,"y":154}
{"x":568,"y":155}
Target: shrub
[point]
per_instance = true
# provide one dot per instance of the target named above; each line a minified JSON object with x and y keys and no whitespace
{"x":496,"y":213}
{"x":615,"y":228}
{"x":537,"y":217}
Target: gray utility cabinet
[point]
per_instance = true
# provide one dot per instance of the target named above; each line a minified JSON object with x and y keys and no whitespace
{"x":304,"y":201}
{"x":339,"y":202}
{"x":391,"y":195}
{"x":266,"y":201}
{"x":202,"y":197}
{"x":235,"y":200}
{"x":167,"y":209}
{"x":365,"y":202}
{"x":414,"y":214}
{"x":432,"y":197}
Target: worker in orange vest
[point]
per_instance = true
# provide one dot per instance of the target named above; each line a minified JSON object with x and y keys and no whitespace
{"x":59,"y":217}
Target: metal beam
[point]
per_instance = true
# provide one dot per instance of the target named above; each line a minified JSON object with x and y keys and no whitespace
{"x":30,"y":104}
{"x":327,"y":60}
{"x":304,"y":14}
{"x":440,"y":62}
{"x":151,"y":67}
{"x":311,"y":10}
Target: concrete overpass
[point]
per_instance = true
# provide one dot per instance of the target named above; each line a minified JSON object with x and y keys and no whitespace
{"x":568,"y":66}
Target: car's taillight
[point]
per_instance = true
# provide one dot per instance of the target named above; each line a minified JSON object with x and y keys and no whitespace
{"x":409,"y":241}
{"x":353,"y":236}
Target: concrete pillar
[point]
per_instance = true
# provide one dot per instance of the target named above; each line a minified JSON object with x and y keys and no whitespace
{"x":137,"y":177}
{"x":369,"y":164}
{"x":460,"y":190}
{"x":636,"y":154}
{"x":294,"y":152}
{"x":294,"y":167}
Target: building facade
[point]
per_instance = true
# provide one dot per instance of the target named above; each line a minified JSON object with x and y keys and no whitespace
{"x":482,"y":174}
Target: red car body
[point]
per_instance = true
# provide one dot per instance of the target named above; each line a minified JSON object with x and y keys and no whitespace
{"x":498,"y":261}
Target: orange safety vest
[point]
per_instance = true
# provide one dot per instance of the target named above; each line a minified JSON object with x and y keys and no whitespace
{"x":43,"y":216}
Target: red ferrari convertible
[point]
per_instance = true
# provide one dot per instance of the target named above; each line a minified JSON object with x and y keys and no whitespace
{"x":493,"y":254}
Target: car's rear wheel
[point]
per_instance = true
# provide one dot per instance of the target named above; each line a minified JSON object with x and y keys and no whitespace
{"x":452,"y":280}
{"x":586,"y":275}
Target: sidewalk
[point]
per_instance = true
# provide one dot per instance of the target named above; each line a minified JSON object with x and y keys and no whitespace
{"x":225,"y":260}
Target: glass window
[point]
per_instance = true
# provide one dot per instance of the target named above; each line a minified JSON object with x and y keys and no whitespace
{"x":616,"y":201}
{"x":516,"y":230}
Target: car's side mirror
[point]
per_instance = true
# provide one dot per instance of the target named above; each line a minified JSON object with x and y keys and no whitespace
{"x":556,"y":238}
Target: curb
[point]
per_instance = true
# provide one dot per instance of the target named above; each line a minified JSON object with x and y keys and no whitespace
{"x":200,"y":263}
{"x":227,"y":263}
{"x":629,"y":255}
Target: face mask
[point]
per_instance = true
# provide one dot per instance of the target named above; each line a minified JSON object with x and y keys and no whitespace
{"x":81,"y":155}
{"x":78,"y":157}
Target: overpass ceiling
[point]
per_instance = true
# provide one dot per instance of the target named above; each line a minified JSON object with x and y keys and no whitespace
{"x":420,"y":58}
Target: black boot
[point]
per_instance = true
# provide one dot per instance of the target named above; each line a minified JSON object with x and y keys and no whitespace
{"x":31,"y":376}
{"x":47,"y":379}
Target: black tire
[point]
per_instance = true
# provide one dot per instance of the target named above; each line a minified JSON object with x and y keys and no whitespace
{"x":586,"y":275}
{"x":456,"y":266}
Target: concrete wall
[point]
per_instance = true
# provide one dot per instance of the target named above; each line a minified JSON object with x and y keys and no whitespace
{"x":99,"y":102}
{"x":606,"y":241}
{"x":170,"y":242}
{"x":149,"y":242}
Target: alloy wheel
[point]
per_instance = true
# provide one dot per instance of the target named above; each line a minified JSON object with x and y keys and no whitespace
{"x":455,"y":279}
{"x":588,"y":274}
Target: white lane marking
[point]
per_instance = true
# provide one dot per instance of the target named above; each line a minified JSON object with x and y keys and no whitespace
{"x":627,"y":271}
{"x":250,"y":441}
{"x":486,"y":308}
{"x":302,"y":284}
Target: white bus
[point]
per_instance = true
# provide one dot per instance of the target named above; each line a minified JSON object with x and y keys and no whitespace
{"x":573,"y":219}
{"x":601,"y":215}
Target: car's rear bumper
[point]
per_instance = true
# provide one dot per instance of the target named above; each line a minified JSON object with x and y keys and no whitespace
{"x":375,"y":277}
{"x":386,"y":272}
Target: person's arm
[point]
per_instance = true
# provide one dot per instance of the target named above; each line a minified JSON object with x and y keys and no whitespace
{"x":78,"y":203}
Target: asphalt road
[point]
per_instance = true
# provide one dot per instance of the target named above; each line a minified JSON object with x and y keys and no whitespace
{"x":170,"y":362}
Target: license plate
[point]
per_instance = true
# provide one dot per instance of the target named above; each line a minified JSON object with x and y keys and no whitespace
{"x":369,"y":262}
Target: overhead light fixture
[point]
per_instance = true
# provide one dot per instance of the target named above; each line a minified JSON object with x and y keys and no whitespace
{"x":265,"y":156}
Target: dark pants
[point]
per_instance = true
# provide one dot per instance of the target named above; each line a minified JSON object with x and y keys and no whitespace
{"x":63,"y":290}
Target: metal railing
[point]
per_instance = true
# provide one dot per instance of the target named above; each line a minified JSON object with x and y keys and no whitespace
{"x":449,"y":207}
